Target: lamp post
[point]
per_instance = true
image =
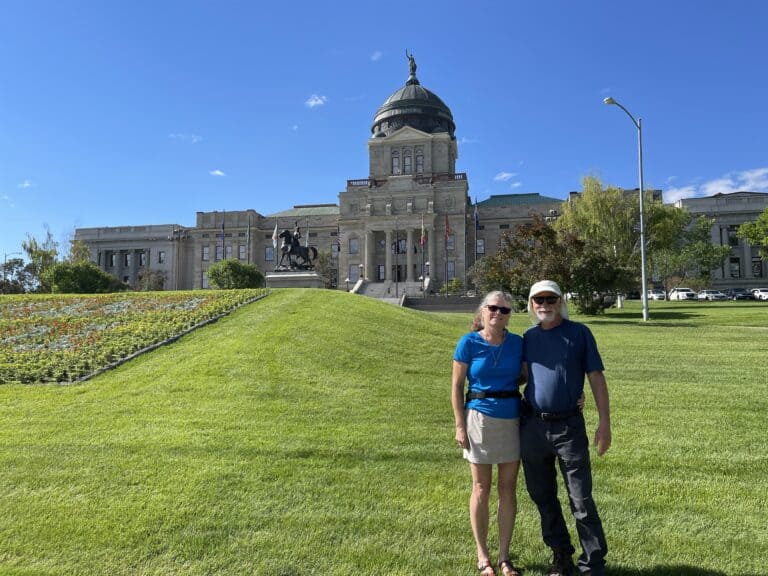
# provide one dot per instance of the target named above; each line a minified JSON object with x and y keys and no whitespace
{"x":639,"y":125}
{"x":5,"y":261}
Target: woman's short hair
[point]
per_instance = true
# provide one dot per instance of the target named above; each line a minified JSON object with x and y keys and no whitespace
{"x":477,"y":321}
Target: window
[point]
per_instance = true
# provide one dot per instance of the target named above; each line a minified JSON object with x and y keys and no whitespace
{"x":733,"y":240}
{"x":480,"y":248}
{"x":142,"y":259}
{"x":219,"y":252}
{"x":241,"y":252}
{"x":334,"y":250}
{"x":734,"y":267}
{"x":204,"y":281}
{"x":112,"y":260}
{"x":395,"y":162}
{"x":228,"y":251}
{"x":757,"y":267}
{"x":451,"y":269}
{"x":354,"y":272}
{"x":126,"y":259}
{"x":161,"y":257}
{"x":419,"y":161}
{"x":380,"y":272}
{"x":503,"y":226}
{"x":354,"y":246}
{"x":206,"y":253}
{"x":407,"y":162}
{"x":449,"y":244}
{"x":269,"y":253}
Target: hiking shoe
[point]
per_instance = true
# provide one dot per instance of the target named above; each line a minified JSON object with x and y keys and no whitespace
{"x":562,"y":563}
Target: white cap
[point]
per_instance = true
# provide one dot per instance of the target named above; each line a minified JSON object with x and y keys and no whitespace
{"x":546,"y":286}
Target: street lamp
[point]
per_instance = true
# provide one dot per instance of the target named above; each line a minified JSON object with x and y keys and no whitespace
{"x":639,"y":125}
{"x":5,"y":261}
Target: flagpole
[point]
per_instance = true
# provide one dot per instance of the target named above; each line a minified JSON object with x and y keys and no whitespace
{"x":397,"y":252}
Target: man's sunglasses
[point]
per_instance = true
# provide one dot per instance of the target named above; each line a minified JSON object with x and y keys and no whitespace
{"x":503,"y":309}
{"x":547,"y":299}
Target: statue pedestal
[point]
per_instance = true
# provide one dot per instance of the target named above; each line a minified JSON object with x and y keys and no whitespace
{"x":295,"y":279}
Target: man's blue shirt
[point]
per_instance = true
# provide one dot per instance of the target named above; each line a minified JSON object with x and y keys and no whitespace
{"x":557,"y":360}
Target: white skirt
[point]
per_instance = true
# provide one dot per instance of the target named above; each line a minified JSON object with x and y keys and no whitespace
{"x":491,"y":440}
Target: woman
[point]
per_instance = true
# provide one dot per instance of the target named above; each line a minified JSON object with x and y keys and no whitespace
{"x":488,"y":421}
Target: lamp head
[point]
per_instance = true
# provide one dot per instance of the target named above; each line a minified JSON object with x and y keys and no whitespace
{"x":609,"y":100}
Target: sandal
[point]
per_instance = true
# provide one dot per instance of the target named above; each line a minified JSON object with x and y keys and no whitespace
{"x":509,"y":569}
{"x":485,"y":568}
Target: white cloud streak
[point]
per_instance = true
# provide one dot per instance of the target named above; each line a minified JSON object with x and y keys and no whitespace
{"x":26,"y":184}
{"x":376,"y":56}
{"x":190,"y":138}
{"x":315,"y":100}
{"x":216,"y":173}
{"x":754,"y":180}
{"x":504,"y":176}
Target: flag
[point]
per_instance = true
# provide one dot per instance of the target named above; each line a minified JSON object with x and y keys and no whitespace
{"x":447,"y":228}
{"x":423,"y":239}
{"x":274,"y":237}
{"x":307,"y":242}
{"x":222,"y":229}
{"x":477,"y":216}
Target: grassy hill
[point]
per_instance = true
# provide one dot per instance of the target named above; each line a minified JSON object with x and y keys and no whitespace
{"x":311,"y":433}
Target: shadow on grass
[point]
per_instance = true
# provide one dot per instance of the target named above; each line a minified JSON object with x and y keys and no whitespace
{"x":657,"y":570}
{"x":635,"y":318}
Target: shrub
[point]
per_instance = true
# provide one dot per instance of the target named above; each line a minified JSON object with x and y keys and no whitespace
{"x":82,"y":278}
{"x":233,"y":275}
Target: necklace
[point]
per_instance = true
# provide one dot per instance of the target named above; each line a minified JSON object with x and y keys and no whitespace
{"x":496,"y":354}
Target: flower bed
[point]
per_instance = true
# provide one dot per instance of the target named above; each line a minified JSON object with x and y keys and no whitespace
{"x":62,"y":338}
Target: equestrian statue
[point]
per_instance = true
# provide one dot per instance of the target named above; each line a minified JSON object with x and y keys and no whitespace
{"x":293,"y":250}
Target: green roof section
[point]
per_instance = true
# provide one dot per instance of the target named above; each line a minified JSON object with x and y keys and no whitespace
{"x":517,"y":200}
{"x":308,"y":210}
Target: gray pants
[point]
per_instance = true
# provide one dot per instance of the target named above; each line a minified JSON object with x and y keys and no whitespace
{"x":565,"y":441}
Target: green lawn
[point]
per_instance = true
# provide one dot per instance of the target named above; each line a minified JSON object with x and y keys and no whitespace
{"x":311,"y":433}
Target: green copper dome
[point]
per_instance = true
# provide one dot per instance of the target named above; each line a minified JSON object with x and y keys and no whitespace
{"x":415,"y":106}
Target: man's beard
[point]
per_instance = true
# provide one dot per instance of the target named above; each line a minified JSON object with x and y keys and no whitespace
{"x":547,"y":316}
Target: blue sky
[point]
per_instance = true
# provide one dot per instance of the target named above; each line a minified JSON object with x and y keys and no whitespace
{"x":145,"y":112}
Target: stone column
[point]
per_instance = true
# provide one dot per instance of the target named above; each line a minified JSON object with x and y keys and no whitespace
{"x":388,"y":256}
{"x":431,"y":252}
{"x":746,"y":268}
{"x":409,"y":255}
{"x":369,"y":255}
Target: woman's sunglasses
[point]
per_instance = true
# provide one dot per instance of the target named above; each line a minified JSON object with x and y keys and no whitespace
{"x":547,"y":299}
{"x":503,"y":309}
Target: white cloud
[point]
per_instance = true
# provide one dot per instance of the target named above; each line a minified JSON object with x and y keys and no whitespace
{"x":754,"y":180}
{"x":515,"y":185}
{"x":26,"y":184}
{"x":8,"y":201}
{"x":191,"y":138}
{"x":674,"y":194}
{"x":295,"y":127}
{"x":376,"y":56}
{"x":465,"y":140}
{"x":216,"y":173}
{"x":504,"y":176}
{"x":315,"y":100}
{"x":5,"y":198}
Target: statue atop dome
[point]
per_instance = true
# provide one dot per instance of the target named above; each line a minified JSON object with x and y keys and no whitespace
{"x":412,"y":69}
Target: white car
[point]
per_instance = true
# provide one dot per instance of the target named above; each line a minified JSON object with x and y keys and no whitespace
{"x":711,"y":295}
{"x":760,"y":293}
{"x":657,"y":295}
{"x":682,"y":294}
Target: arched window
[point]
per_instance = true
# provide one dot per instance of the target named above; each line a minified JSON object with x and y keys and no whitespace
{"x":407,"y":161}
{"x":419,"y":160}
{"x":395,"y":162}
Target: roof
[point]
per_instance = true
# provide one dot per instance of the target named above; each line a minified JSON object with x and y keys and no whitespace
{"x":517,"y":200}
{"x":308,"y":210}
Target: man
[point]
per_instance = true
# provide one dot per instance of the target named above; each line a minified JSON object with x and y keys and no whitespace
{"x":559,"y":353}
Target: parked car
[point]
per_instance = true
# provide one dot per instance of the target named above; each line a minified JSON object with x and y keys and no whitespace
{"x":656,"y":294}
{"x":711,"y":295}
{"x":682,"y":294}
{"x":760,"y":293}
{"x":739,"y":294}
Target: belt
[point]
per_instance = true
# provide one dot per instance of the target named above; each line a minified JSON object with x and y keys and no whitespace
{"x":492,"y":394}
{"x":554,"y":415}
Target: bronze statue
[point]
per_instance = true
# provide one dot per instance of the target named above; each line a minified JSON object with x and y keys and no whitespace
{"x":411,"y":63}
{"x":292,"y":248}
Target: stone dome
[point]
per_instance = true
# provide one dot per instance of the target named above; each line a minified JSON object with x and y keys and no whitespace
{"x":415,"y":106}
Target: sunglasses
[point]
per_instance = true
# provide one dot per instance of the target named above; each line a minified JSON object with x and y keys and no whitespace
{"x":503,"y":309}
{"x":547,"y":299}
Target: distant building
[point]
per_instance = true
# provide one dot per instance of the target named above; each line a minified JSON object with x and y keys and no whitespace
{"x":744,"y":268}
{"x":409,"y":224}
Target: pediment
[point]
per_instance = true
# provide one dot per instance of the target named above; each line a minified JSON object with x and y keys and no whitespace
{"x":407,"y":134}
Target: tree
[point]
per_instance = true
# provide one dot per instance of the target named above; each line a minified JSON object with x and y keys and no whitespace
{"x":151,"y":280}
{"x":327,"y":267}
{"x":41,"y":256}
{"x":756,"y":233}
{"x":232,"y":274}
{"x":78,"y":251}
{"x":16,"y":277}
{"x":82,"y":278}
{"x":701,"y":257}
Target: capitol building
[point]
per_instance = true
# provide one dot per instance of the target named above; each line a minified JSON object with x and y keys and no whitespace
{"x":408,"y":225}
